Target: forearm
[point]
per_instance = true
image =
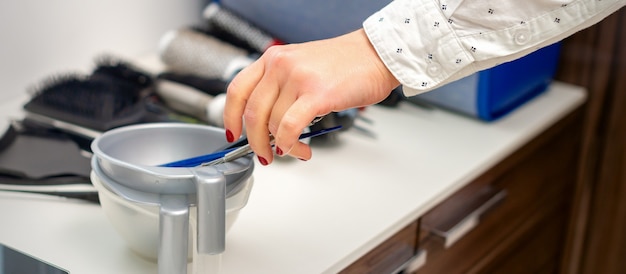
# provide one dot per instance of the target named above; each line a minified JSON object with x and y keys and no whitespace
{"x":428,"y":43}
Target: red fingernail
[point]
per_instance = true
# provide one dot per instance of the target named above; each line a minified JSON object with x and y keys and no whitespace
{"x":279,"y":151}
{"x":262,"y":160}
{"x":301,"y":159}
{"x":229,"y":136}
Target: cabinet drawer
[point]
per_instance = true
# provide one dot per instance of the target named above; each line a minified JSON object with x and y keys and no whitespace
{"x":535,"y":251}
{"x":470,"y":231}
{"x":388,"y":256}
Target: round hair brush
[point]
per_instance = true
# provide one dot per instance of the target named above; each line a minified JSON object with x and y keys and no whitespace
{"x":224,"y":20}
{"x":186,"y":51}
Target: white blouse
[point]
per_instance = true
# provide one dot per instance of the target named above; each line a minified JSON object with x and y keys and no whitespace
{"x":428,"y":43}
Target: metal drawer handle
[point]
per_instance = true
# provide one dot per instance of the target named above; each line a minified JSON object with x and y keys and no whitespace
{"x":470,"y":221}
{"x":413,"y":264}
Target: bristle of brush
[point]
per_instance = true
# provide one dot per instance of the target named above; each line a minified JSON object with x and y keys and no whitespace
{"x":122,"y":71}
{"x":98,"y":99}
{"x":110,"y":96}
{"x":37,"y":88}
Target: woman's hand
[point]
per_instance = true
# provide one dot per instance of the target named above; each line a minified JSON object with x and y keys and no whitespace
{"x":290,"y":85}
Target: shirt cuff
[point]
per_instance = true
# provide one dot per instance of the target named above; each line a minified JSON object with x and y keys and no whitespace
{"x":419,"y":48}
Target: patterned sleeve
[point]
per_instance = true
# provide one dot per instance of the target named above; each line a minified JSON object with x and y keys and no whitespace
{"x":428,"y":43}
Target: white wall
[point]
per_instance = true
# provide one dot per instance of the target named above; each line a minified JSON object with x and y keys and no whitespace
{"x":39,"y":39}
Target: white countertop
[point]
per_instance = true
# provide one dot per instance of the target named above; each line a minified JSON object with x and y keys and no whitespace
{"x":308,"y":217}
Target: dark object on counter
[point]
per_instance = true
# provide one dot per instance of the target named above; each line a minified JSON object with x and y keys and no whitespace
{"x":92,"y":103}
{"x":40,"y":153}
{"x":212,"y":86}
{"x":346,"y":119}
{"x":74,"y":187}
{"x":37,"y":128}
{"x":395,"y":97}
{"x":121,"y":73}
{"x":39,"y":160}
{"x":192,"y":102}
{"x":113,"y":95}
{"x":223,"y":35}
{"x":110,"y":97}
{"x":7,"y":138}
{"x":17,"y":261}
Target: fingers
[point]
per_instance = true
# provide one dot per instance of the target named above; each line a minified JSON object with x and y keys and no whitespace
{"x":286,"y":135}
{"x":256,"y":115}
{"x":300,"y":150}
{"x":291,"y":123}
{"x":253,"y":94}
{"x":239,"y":90}
{"x":286,"y":122}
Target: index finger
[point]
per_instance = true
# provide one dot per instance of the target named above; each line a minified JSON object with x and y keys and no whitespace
{"x":237,"y":95}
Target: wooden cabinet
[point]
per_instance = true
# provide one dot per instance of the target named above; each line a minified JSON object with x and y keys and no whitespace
{"x":511,"y":219}
{"x":390,"y":255}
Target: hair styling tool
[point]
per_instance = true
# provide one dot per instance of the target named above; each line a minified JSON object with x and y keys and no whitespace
{"x":347,"y":119}
{"x":234,"y":153}
{"x":211,"y":86}
{"x":187,"y":51}
{"x":190,"y":101}
{"x":244,"y":140}
{"x":94,"y":104}
{"x":209,"y":29}
{"x":222,"y":19}
{"x":108,"y":98}
{"x":114,"y":94}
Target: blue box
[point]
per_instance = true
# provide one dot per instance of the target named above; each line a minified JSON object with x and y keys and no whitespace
{"x":491,"y":94}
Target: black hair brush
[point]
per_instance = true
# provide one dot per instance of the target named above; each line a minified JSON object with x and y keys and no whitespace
{"x":113,"y":95}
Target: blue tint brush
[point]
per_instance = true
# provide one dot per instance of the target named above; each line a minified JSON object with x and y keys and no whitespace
{"x":233,"y":153}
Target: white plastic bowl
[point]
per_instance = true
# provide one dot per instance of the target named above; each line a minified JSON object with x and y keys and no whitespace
{"x":138,"y":224}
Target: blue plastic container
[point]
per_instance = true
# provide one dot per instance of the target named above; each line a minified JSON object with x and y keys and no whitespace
{"x":490,"y":94}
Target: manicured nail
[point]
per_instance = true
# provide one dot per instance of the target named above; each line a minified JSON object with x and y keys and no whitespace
{"x":279,"y":151}
{"x":304,"y":160}
{"x":229,"y":136}
{"x":262,"y":160}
